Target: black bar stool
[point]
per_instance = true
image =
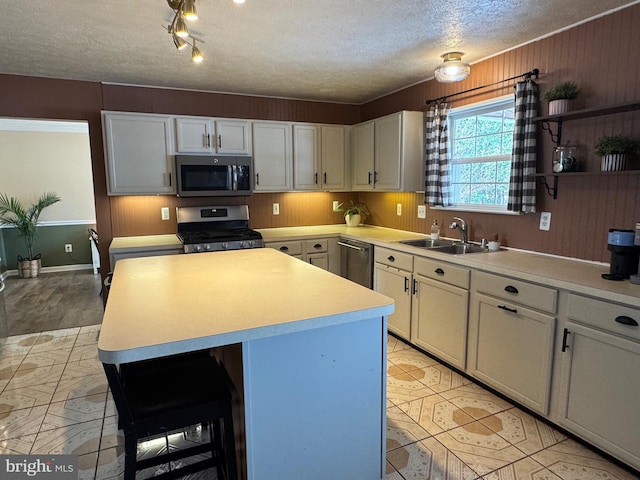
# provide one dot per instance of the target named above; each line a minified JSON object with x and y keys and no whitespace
{"x":154,"y":397}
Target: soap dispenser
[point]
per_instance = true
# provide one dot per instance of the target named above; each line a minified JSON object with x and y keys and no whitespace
{"x":435,"y":230}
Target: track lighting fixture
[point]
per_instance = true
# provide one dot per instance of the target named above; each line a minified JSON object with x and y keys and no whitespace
{"x":184,"y":10}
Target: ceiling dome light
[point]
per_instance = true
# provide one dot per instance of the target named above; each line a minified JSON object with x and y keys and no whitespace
{"x":238,"y":1}
{"x":189,"y":10}
{"x":196,"y":56}
{"x":453,"y":69}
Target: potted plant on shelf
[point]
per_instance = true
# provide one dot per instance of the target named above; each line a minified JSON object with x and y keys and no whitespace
{"x":353,"y":214}
{"x":614,"y":150}
{"x":560,"y":96}
{"x":25,"y":220}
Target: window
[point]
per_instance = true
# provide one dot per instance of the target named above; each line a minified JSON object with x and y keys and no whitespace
{"x":481,"y":142}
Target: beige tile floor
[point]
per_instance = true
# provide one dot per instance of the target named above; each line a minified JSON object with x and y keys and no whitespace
{"x":54,"y":399}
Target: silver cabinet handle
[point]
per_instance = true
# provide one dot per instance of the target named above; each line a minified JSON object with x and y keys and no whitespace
{"x":342,"y":244}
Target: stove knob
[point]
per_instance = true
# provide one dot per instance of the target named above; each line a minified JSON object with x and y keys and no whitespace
{"x":197,"y":248}
{"x":225,"y":245}
{"x":207,"y":247}
{"x":245,"y":244}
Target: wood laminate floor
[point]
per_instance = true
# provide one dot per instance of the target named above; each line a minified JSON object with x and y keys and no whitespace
{"x":53,"y":301}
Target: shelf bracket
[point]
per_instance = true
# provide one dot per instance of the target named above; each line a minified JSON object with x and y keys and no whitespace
{"x":552,"y":191}
{"x":555,"y":137}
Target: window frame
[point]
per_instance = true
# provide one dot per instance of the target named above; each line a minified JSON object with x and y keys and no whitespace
{"x":495,"y":104}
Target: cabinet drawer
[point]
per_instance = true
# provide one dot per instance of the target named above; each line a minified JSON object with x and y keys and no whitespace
{"x":442,"y":271}
{"x":317,"y":246}
{"x":291,"y":248}
{"x":524,"y":293}
{"x":604,"y":315}
{"x":393,"y":258}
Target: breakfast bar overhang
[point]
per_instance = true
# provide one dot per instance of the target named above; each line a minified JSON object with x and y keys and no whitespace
{"x":311,"y":361}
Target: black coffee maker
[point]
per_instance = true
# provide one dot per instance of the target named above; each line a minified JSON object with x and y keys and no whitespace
{"x":624,"y":254}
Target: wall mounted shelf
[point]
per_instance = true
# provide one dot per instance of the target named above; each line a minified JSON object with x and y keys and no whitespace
{"x":545,"y":122}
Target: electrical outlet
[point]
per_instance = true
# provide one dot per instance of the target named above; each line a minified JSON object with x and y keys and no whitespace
{"x":545,"y":220}
{"x":399,"y":209}
{"x":336,"y":205}
{"x":164,"y":213}
{"x":68,"y":248}
{"x":422,"y":211}
{"x":276,"y":209}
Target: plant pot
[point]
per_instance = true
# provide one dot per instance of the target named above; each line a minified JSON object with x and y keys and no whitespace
{"x":557,"y":107}
{"x":614,"y":162}
{"x":29,"y":268}
{"x":352,"y":220}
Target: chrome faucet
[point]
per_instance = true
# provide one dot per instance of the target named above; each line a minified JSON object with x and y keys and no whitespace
{"x":462,"y":226}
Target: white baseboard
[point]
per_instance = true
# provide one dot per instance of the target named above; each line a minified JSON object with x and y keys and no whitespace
{"x":55,"y":269}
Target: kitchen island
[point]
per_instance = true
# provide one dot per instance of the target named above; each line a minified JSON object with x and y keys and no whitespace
{"x":311,"y":348}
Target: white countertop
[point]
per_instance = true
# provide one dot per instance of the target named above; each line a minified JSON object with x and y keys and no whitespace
{"x":570,"y":274}
{"x":170,"y":304}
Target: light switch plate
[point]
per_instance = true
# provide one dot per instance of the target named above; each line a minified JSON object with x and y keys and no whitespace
{"x":545,"y":220}
{"x":422,"y":211}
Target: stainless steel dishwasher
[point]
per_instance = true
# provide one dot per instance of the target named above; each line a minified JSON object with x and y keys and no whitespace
{"x":356,"y":262}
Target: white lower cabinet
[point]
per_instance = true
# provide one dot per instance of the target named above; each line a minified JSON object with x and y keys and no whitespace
{"x":510,"y":346}
{"x":440,"y":310}
{"x":321,"y":252}
{"x":393,"y":277}
{"x":600,"y":364}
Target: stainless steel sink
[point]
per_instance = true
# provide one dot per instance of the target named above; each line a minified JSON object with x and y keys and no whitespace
{"x":428,"y":243}
{"x":460,"y":249}
{"x":445,"y":246}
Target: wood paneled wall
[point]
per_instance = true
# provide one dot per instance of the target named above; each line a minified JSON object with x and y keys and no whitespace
{"x":600,"y":55}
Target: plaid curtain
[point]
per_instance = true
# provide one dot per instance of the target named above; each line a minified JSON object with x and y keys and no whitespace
{"x":437,"y":185}
{"x":522,"y":185}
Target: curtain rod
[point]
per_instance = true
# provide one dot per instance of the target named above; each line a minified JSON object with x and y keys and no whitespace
{"x":528,"y":75}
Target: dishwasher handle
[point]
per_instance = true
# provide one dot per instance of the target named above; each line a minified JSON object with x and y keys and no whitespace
{"x":355,"y":247}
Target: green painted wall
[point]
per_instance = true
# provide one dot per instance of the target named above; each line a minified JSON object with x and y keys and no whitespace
{"x":50,"y":243}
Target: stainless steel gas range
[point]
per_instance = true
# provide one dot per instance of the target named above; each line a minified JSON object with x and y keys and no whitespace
{"x":212,"y":229}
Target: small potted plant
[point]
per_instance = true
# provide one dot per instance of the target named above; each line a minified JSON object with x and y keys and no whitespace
{"x":353,"y":214}
{"x":559,"y":97}
{"x":25,"y":220}
{"x":614,"y":150}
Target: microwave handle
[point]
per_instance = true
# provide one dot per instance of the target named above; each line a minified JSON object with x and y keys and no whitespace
{"x":234,"y":177}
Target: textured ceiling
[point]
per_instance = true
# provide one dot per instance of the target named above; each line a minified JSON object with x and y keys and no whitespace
{"x":344,"y":51}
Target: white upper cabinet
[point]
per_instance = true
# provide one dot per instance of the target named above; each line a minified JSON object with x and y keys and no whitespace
{"x":388,"y":153}
{"x":213,"y":135}
{"x":138,"y":153}
{"x":319,"y":157}
{"x":272,"y":156}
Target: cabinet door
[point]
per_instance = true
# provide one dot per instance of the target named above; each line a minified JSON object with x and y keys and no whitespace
{"x":439,"y":319}
{"x":333,"y":160}
{"x":396,"y":284}
{"x":306,"y":157}
{"x":272,"y":156}
{"x":511,"y":348}
{"x":194,"y":135}
{"x":363,"y":147}
{"x":233,"y":137}
{"x":138,"y":154}
{"x":601,"y":391}
{"x":319,"y":260}
{"x":388,"y":131}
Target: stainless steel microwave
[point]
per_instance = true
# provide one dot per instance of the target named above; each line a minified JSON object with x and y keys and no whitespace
{"x":207,"y":176}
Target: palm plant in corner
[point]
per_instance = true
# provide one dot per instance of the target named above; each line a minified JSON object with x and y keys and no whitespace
{"x":25,"y":221}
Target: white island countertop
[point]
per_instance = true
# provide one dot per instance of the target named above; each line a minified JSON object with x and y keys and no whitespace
{"x":177,"y":303}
